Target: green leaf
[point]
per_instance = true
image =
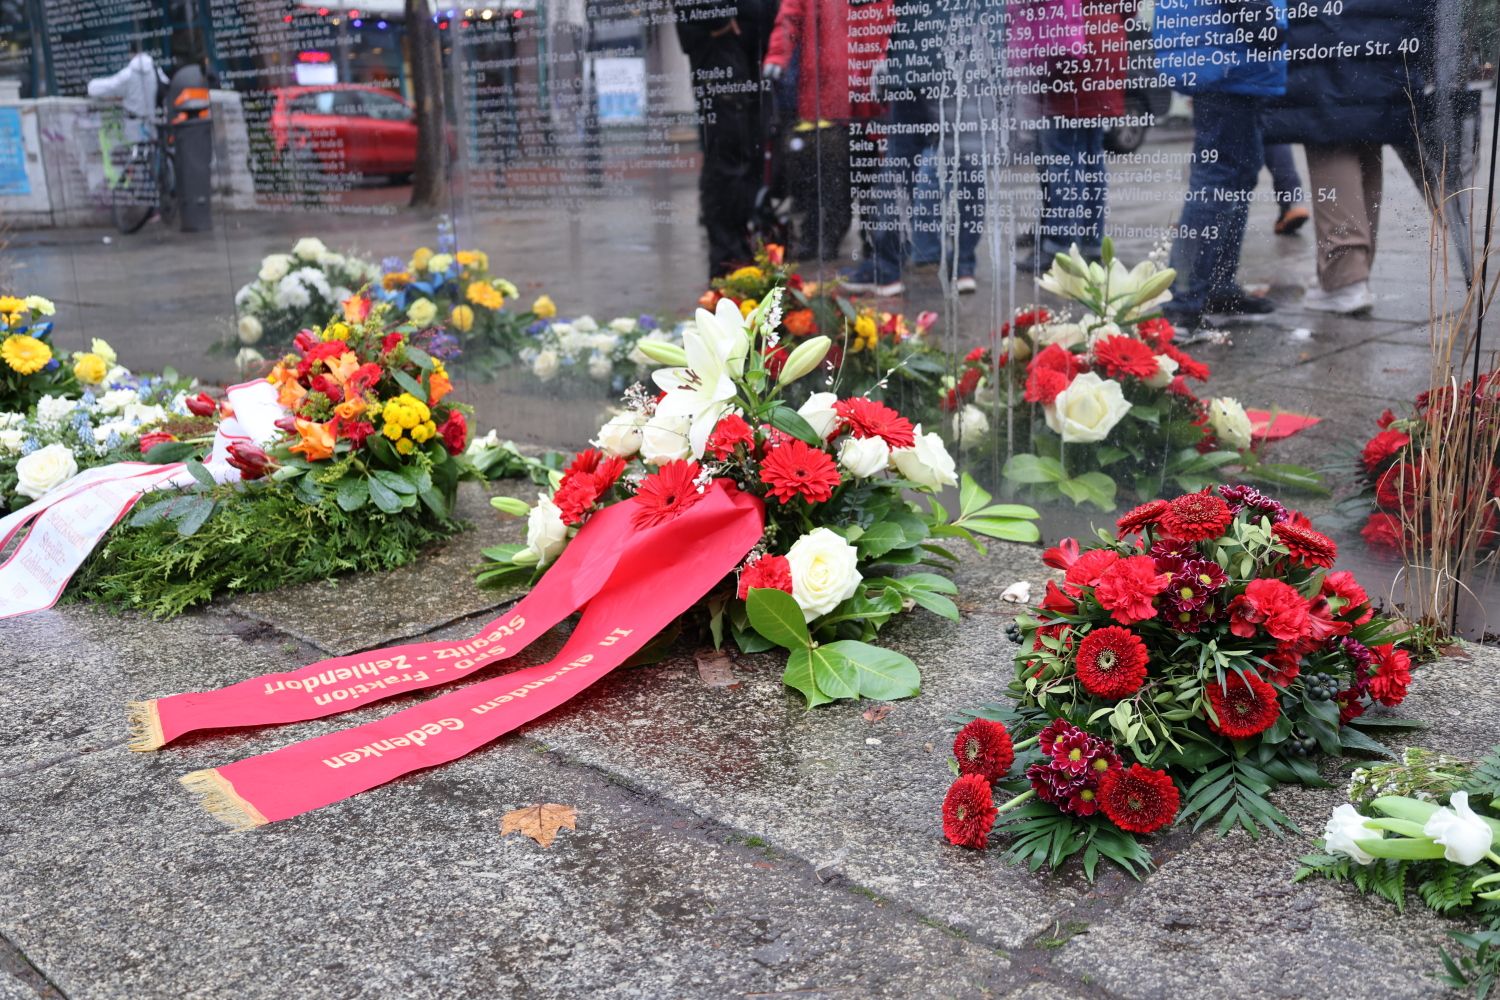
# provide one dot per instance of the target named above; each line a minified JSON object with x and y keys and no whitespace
{"x":410,"y":384}
{"x":1353,"y":739}
{"x":784,"y":418}
{"x":1004,"y":529}
{"x":170,"y":451}
{"x":384,"y":497}
{"x":971,"y":496}
{"x":193,"y":514}
{"x":352,"y":492}
{"x":202,"y":475}
{"x":799,"y":676}
{"x":1033,"y":469}
{"x":396,"y":482}
{"x":776,"y":616}
{"x":884,"y":675}
{"x":879,"y":539}
{"x":936,"y":603}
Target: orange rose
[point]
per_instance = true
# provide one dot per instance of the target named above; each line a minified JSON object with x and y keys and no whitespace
{"x":801,"y":323}
{"x":356,"y":308}
{"x":317,"y":440}
{"x":350,"y":409}
{"x":438,"y":386}
{"x":342,"y":367}
{"x":775,"y":253}
{"x":290,"y":394}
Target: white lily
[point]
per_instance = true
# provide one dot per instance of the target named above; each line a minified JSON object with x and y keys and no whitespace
{"x":1069,"y":279}
{"x":717,"y":347}
{"x":1465,"y":836}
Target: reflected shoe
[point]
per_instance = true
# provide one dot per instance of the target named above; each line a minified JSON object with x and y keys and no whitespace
{"x":1185,"y":322}
{"x":1291,"y":219}
{"x":862,"y":281}
{"x":965,"y":284}
{"x":1239,"y":303}
{"x":1347,"y":301}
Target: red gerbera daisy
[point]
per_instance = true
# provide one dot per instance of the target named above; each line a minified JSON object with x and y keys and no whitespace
{"x":666,"y":493}
{"x":1187,"y":365}
{"x":730,"y":432}
{"x":1121,"y":355}
{"x":969,"y":812}
{"x":866,"y":418}
{"x":1245,"y":706}
{"x":1144,"y":516}
{"x":1128,"y":588}
{"x":1306,"y":546}
{"x":1111,"y":662}
{"x":797,"y":469}
{"x":766,"y":573}
{"x":1194,"y":517}
{"x":984,"y":748}
{"x":1138,"y":799}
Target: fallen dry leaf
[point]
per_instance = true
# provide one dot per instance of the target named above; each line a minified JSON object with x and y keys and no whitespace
{"x":539,"y":822}
{"x":715,"y":667}
{"x":874,"y":715}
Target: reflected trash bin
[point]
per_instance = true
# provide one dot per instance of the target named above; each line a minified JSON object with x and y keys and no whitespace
{"x":192,"y":160}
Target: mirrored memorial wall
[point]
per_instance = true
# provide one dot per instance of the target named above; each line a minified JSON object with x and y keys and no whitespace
{"x":550,"y":182}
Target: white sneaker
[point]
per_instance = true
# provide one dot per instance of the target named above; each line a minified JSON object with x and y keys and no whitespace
{"x":1347,"y":301}
{"x":965,"y":284}
{"x":883,"y":291}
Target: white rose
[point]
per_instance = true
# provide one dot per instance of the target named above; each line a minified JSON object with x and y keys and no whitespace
{"x":825,"y":572}
{"x":1166,"y":370}
{"x":864,"y":457}
{"x":143,"y":414}
{"x":665,"y":439}
{"x":546,"y":364}
{"x":1466,"y":838}
{"x":11,"y":439}
{"x":1344,"y":827}
{"x":118,"y":373}
{"x":45,"y":469}
{"x":926,"y":462}
{"x":605,"y":343}
{"x":113,"y":401}
{"x":1230,"y":422}
{"x":622,"y":325}
{"x":818,"y":411}
{"x":275,"y":267}
{"x":250,"y":330}
{"x":586,"y":324}
{"x":1087,"y":410}
{"x":51,"y":411}
{"x":10,"y":420}
{"x":970,"y":425}
{"x":1067,"y":335}
{"x":249,"y":359}
{"x":546,"y":534}
{"x":621,"y":436}
{"x":308,"y":248}
{"x":121,"y":427}
{"x":600,"y":367}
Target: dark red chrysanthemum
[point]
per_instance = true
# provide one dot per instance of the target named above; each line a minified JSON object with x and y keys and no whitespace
{"x":797,"y":469}
{"x":1112,"y":662}
{"x":866,"y":418}
{"x":1142,"y":517}
{"x":1055,"y":730}
{"x":1195,"y":582}
{"x":1392,"y":674}
{"x":766,"y":573}
{"x":1128,"y":589}
{"x":1121,"y":355}
{"x":1195,"y":517}
{"x":586,"y":461}
{"x":1245,"y":706}
{"x":730,"y":433}
{"x":983,"y":747}
{"x":1070,"y":752}
{"x":666,"y":493}
{"x":1306,"y":546}
{"x":969,"y":812}
{"x":1138,"y":799}
{"x":1381,"y":447}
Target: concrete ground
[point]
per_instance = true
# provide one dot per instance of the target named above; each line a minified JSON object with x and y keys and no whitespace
{"x":729,"y":843}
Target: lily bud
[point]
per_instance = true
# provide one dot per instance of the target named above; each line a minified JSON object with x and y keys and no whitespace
{"x":663,"y":353}
{"x":1154,"y":285}
{"x":251,"y":460}
{"x":808,"y":355}
{"x":201,"y":405}
{"x":510,"y":505}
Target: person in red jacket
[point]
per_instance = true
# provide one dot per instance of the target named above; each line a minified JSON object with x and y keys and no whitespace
{"x":835,"y":45}
{"x":1085,"y":88}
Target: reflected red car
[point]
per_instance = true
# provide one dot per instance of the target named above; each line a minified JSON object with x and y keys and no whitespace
{"x":345,"y":128}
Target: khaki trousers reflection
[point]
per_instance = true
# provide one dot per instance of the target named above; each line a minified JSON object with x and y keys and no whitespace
{"x":1346,"y":183}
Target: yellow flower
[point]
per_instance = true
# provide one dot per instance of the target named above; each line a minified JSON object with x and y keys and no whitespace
{"x":476,"y":259}
{"x":423,"y":432}
{"x":394,"y":280}
{"x":747,"y":307}
{"x":26,"y":355}
{"x":392,"y":431}
{"x":336,"y":331}
{"x":422,"y":312}
{"x":544,"y":307}
{"x":404,"y":413}
{"x":420,"y":258}
{"x":10,"y":305}
{"x":37,"y":304}
{"x":747,"y":273}
{"x":439,"y":262}
{"x":405,"y":447}
{"x":462,"y":319}
{"x":507,"y":288}
{"x":865,"y":333}
{"x":90,"y":369}
{"x":482,"y":293}
{"x":104,"y":351}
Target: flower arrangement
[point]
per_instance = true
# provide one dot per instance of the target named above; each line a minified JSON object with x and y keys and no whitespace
{"x":1106,"y":399}
{"x":292,"y":292}
{"x":581,"y":350}
{"x":30,"y":367}
{"x":452,"y":292}
{"x":833,"y":474}
{"x":1425,"y":825}
{"x":1187,"y":665}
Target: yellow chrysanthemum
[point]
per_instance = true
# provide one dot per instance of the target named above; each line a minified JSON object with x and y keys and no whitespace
{"x":89,"y":369}
{"x":482,"y":293}
{"x":461,"y":319}
{"x":747,"y":307}
{"x":404,"y":413}
{"x":405,"y":446}
{"x":336,"y":331}
{"x":423,"y":432}
{"x":10,"y":304}
{"x":747,"y":273}
{"x":865,"y":333}
{"x":544,"y":307}
{"x":24,"y":354}
{"x":420,"y":258}
{"x":476,"y":259}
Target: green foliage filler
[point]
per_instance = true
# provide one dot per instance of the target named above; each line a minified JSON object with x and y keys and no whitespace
{"x":257,"y":539}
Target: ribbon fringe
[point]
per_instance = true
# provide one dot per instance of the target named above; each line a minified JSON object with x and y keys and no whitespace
{"x":145,"y":726}
{"x":223,"y":803}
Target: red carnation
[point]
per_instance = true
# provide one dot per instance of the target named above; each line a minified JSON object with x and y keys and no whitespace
{"x":391,"y":341}
{"x":730,"y":433}
{"x":969,"y":812}
{"x":588,"y":477}
{"x":797,"y":469}
{"x":1195,"y":517}
{"x":356,"y":432}
{"x":984,"y":748}
{"x":1089,"y":568}
{"x":1392,"y":675}
{"x":201,"y":405}
{"x":1138,"y":799}
{"x":1381,"y":447}
{"x":1111,"y":662}
{"x":1386,"y":419}
{"x":1043,"y":385}
{"x":454,"y":432}
{"x":1285,"y":667}
{"x":1245,"y":706}
{"x":1397,"y":488}
{"x":1306,"y":546}
{"x":866,"y":418}
{"x":1129,"y":587}
{"x":1383,"y":533}
{"x":977,"y":355}
{"x":666,"y":493}
{"x":1187,"y":365}
{"x":766,"y":573}
{"x":149,"y":441}
{"x":1272,"y":604}
{"x":1157,"y":331}
{"x":1142,"y":517}
{"x":326,"y":350}
{"x":1342,"y":586}
{"x":1120,"y":355}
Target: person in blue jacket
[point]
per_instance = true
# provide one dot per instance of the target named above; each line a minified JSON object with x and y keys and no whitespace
{"x":1343,"y":108}
{"x":1230,"y":57}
